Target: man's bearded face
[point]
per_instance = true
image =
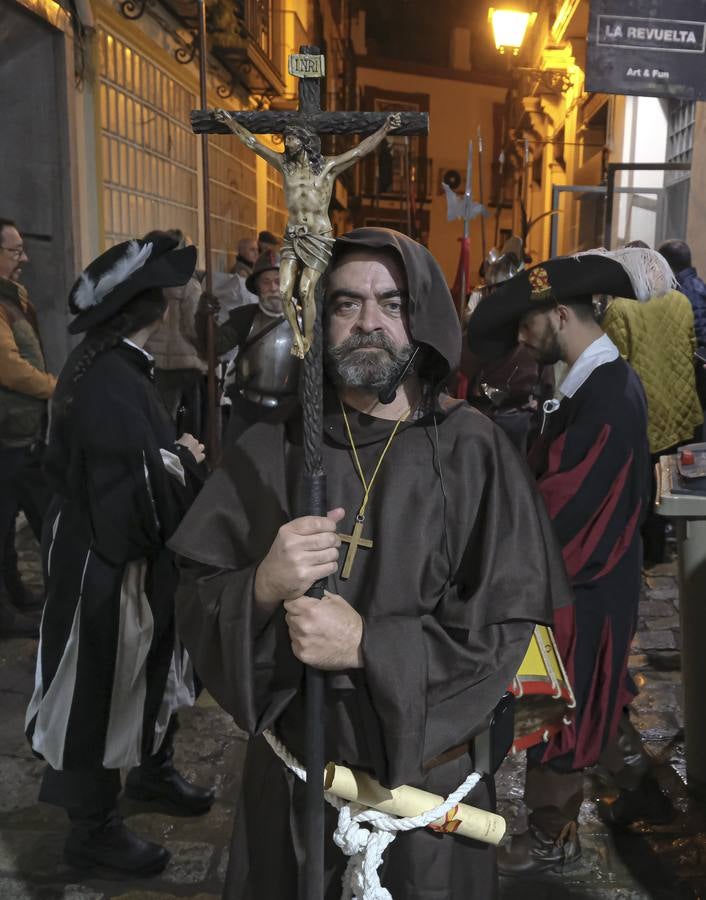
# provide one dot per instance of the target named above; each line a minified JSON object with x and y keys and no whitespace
{"x":539,"y":333}
{"x":268,"y":290}
{"x":368,"y":340}
{"x":370,"y":361}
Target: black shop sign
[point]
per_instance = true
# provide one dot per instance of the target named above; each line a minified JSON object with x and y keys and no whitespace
{"x":652,"y":48}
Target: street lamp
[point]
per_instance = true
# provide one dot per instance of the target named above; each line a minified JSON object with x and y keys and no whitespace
{"x":509,"y":27}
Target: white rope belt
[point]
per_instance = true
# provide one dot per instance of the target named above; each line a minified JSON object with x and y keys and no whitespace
{"x":365,"y":846}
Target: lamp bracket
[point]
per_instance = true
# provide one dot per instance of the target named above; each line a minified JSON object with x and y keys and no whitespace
{"x":548,"y":81}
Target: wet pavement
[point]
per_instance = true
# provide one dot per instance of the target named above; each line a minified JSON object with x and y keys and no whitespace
{"x":665,"y":863}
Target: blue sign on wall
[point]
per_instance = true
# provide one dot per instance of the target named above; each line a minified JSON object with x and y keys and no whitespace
{"x":653,"y":49}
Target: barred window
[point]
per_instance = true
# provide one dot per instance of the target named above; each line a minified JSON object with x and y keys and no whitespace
{"x":276,"y":209}
{"x":680,"y":130}
{"x":149,"y":167}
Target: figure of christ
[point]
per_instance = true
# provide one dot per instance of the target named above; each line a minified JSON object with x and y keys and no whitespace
{"x":309,"y":178}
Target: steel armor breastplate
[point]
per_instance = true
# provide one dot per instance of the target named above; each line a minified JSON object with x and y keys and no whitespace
{"x":266,"y":370}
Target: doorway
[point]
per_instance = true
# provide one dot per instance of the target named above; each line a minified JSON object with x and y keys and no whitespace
{"x":35,"y":181}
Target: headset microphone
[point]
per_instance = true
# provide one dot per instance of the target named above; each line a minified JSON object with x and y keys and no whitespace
{"x":388,"y":394}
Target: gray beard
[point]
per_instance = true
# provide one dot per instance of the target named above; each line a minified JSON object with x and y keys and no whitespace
{"x":349,"y":366}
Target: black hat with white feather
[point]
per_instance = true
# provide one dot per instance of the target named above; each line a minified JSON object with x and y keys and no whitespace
{"x":124,"y":271}
{"x":633,"y":272}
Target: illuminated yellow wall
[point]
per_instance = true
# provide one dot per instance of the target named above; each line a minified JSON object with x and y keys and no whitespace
{"x":457,"y":109}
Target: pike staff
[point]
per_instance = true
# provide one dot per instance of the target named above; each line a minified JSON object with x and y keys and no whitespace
{"x":213,"y":440}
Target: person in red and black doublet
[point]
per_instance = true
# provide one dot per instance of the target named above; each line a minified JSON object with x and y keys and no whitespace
{"x":592,"y":464}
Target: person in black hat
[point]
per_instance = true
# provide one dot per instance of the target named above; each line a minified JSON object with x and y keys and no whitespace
{"x":268,"y":241}
{"x":508,"y":389}
{"x":592,"y":463}
{"x":110,"y":671}
{"x":262,"y":379}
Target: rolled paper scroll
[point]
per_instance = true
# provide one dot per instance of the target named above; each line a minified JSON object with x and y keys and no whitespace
{"x":405,"y":802}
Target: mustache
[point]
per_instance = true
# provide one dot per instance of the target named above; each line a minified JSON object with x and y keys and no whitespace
{"x":375,"y":340}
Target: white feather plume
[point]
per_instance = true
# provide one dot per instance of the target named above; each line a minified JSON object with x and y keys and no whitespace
{"x":649,"y":272}
{"x":88,"y":294}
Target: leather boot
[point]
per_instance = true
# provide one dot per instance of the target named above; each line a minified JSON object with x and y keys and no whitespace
{"x":164,"y":783}
{"x":13,"y":623}
{"x":104,"y":843}
{"x":156,"y":779}
{"x":534,"y":851}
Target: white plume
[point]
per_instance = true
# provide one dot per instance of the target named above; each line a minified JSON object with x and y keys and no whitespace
{"x":88,"y":294}
{"x":648,"y":271}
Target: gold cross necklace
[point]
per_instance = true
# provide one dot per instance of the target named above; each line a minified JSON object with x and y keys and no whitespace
{"x":356,"y":539}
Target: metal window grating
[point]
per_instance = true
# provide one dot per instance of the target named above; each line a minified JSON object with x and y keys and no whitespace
{"x":276,"y":210}
{"x":680,"y":130}
{"x":233,"y":182}
{"x":149,"y":153}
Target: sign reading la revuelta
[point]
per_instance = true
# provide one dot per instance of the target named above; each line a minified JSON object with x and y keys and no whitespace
{"x":662,"y":54}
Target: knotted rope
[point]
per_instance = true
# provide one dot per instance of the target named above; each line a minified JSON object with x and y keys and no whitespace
{"x":365,"y":845}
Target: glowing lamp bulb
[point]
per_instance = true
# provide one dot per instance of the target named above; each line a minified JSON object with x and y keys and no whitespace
{"x":509,"y":28}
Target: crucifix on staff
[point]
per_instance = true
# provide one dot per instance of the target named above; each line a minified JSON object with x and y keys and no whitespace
{"x":309,"y":177}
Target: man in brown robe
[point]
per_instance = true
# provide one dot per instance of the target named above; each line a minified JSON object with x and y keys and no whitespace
{"x":423,"y":637}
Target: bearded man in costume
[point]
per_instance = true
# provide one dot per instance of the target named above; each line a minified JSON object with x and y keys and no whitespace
{"x":592,"y":462}
{"x":428,"y":616}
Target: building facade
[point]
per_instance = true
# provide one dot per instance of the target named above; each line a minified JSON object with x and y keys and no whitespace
{"x":588,"y":169}
{"x":98,"y":139}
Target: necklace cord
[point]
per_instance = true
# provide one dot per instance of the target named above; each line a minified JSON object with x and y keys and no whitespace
{"x":368,"y":486}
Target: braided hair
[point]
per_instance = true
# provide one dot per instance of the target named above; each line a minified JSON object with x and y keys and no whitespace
{"x":142,"y":310}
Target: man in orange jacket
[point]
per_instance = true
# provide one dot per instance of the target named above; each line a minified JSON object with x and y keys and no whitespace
{"x":25,"y":388}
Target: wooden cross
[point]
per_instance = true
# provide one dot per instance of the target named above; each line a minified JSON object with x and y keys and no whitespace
{"x":308,"y":66}
{"x":354,"y":541}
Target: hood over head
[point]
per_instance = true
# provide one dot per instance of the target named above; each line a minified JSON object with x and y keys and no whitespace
{"x":433,"y":320}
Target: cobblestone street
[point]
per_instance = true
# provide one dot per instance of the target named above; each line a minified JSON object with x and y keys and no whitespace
{"x":665,"y":862}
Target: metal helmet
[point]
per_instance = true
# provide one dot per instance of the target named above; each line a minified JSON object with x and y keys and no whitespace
{"x":502,"y":265}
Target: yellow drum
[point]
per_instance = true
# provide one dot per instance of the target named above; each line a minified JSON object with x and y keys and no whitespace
{"x":543,"y":694}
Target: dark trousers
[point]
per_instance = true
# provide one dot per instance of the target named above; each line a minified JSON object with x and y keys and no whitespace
{"x":182,"y":391}
{"x":554,"y":796}
{"x":22,"y":487}
{"x":91,"y":795}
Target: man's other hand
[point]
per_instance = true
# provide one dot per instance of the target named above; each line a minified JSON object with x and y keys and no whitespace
{"x":325,"y":633}
{"x":304,"y":551}
{"x":208,"y":303}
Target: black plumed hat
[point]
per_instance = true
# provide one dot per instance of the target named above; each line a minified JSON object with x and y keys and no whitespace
{"x":631,"y":272}
{"x":108,"y":283}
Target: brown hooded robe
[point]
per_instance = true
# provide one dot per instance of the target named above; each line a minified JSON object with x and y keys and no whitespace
{"x":463,"y":564}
